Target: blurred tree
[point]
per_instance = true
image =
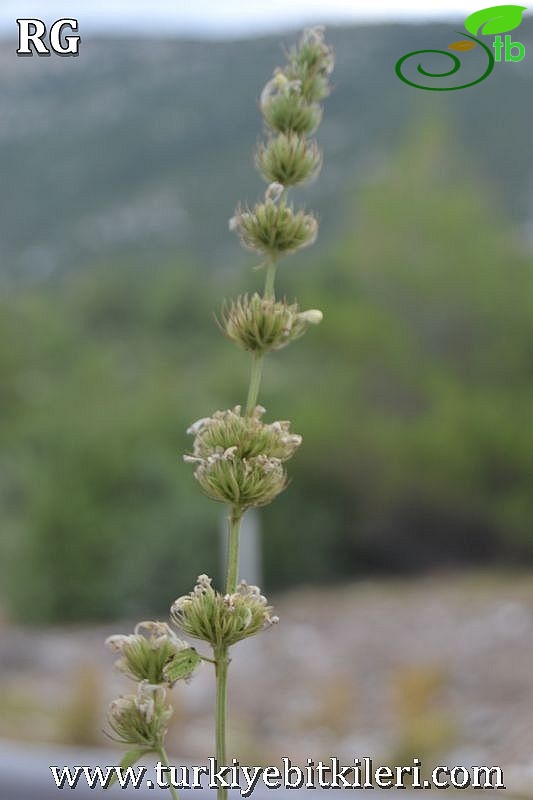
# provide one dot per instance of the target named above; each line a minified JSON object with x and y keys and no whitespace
{"x":421,"y":409}
{"x":416,"y":424}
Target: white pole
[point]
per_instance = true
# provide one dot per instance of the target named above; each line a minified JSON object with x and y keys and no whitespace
{"x":250,"y":547}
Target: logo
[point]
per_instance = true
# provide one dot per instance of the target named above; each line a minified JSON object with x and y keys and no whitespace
{"x":487,"y":22}
{"x":32,"y":32}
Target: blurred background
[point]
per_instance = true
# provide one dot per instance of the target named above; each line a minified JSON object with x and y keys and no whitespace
{"x":400,"y":559}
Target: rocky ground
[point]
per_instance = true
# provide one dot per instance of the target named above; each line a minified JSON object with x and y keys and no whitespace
{"x":440,"y":668}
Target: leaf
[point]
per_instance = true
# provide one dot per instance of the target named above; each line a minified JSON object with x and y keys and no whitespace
{"x":130,"y":758}
{"x":182,"y":664}
{"x":496,"y":19}
{"x":462,"y":44}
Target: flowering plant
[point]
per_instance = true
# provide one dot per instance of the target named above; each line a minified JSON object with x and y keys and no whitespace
{"x":238,"y":458}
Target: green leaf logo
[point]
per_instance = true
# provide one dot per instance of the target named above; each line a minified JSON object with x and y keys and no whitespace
{"x":496,"y":19}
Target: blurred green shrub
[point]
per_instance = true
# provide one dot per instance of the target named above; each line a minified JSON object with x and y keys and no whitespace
{"x":416,"y":425}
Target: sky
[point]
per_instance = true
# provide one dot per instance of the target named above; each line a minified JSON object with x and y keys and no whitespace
{"x":223,"y":18}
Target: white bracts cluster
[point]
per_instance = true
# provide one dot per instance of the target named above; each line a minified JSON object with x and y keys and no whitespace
{"x":222,"y":620}
{"x":141,"y":719}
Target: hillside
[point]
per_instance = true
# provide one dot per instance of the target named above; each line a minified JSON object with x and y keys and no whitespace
{"x":137,"y":149}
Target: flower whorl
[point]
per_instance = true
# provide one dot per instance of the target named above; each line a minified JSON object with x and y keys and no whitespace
{"x":240,"y":458}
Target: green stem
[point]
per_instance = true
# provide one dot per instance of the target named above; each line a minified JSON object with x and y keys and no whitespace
{"x":269,"y":281}
{"x":257,"y":358}
{"x":255,"y":382}
{"x":221,"y":671}
{"x":164,"y":760}
{"x":205,"y":658}
{"x":233,"y":550}
{"x":221,"y":653}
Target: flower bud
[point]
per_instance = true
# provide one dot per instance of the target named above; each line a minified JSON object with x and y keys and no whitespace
{"x":312,"y":317}
{"x":141,"y":719}
{"x":222,"y":620}
{"x":311,"y":63}
{"x":274,"y":229}
{"x":288,"y":159}
{"x":155,"y":655}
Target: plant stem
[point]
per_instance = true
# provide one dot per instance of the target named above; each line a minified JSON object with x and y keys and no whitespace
{"x":221,"y":653}
{"x":269,"y":281}
{"x":164,"y":760}
{"x":205,"y":658}
{"x":257,"y":359}
{"x":255,"y":382}
{"x":221,"y":671}
{"x":233,"y":550}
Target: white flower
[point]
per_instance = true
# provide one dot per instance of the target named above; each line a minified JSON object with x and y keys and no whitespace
{"x":274,"y":192}
{"x":313,"y":317}
{"x":198,"y":425}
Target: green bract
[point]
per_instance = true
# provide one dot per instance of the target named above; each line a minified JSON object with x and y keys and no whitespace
{"x":222,"y":620}
{"x":244,"y":483}
{"x":247,"y":436}
{"x":260,"y":324}
{"x":274,"y":229}
{"x":286,"y":110}
{"x":148,"y":657}
{"x":141,"y":719}
{"x":288,"y":159}
{"x":311,"y":63}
